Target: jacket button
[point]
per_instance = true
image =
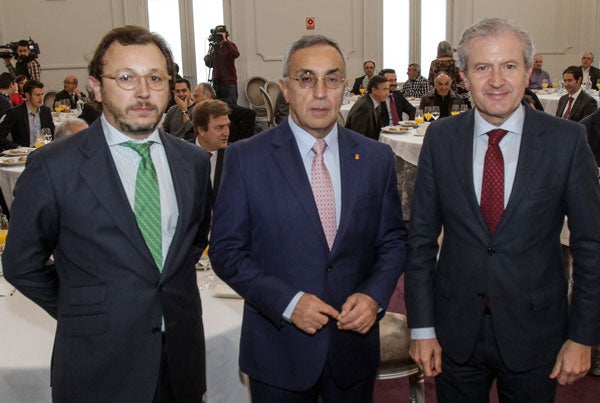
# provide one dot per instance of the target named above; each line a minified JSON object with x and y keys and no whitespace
{"x":491,"y":251}
{"x":155,"y":330}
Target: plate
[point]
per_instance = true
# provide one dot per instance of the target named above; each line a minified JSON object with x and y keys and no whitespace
{"x":13,"y":160}
{"x":20,"y":151}
{"x":395,"y":129}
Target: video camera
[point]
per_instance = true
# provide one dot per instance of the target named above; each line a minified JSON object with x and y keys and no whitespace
{"x":10,"y":49}
{"x":215,"y":36}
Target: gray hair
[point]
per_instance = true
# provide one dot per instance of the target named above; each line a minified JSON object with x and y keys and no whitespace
{"x":69,"y":126}
{"x":307,"y":42}
{"x":207,"y":89}
{"x":493,"y":27}
{"x":444,"y":49}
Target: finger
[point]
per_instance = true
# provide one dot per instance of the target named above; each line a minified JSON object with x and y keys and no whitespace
{"x":348,"y":305}
{"x":556,"y":370}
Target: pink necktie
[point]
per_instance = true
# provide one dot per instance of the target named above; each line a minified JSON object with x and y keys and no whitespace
{"x":395,"y":116}
{"x":322,"y":188}
{"x":566,"y":115}
{"x":492,"y":187}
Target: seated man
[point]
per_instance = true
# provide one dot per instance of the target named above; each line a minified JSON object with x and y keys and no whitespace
{"x":70,"y":92}
{"x":441,"y":95}
{"x":69,"y":126}
{"x":363,"y":81}
{"x":211,"y":126}
{"x":7,"y":87}
{"x":575,"y":104}
{"x":392,"y":115}
{"x":364,"y":116}
{"x":23,"y":122}
{"x":538,"y":75}
{"x":177,"y":120}
{"x":416,"y":86}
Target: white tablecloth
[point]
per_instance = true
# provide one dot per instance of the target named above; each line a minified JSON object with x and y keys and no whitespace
{"x":27,"y":334}
{"x":405,"y":146}
{"x":8,"y":179}
{"x":550,"y":101}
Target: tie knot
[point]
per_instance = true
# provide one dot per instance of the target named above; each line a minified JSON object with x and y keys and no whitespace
{"x":495,"y":136}
{"x":143,"y":149}
{"x":319,"y":147}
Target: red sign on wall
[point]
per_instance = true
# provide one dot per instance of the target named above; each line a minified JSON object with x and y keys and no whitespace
{"x":310,"y":23}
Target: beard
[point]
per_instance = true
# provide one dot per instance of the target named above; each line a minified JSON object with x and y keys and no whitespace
{"x":124,"y":124}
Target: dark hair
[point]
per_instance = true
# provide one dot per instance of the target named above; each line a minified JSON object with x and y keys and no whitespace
{"x":386,"y":71}
{"x":576,"y":71}
{"x":6,"y":79}
{"x":203,"y":112}
{"x":307,"y":42}
{"x":23,"y":42}
{"x":184,"y":80}
{"x":30,"y":85}
{"x":375,"y":81}
{"x":368,"y":61}
{"x":130,"y":35}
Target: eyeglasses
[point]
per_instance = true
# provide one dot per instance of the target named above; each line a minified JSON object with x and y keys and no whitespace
{"x":129,"y":80}
{"x":333,"y":81}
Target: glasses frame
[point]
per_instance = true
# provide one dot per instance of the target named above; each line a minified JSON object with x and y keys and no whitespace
{"x":137,"y":79}
{"x":300,"y":82}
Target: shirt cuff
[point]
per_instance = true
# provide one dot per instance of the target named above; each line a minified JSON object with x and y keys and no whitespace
{"x":422,"y":333}
{"x":287,"y":314}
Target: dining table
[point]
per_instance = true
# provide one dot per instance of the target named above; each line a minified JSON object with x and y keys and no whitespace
{"x":27,"y":334}
{"x":8,"y":179}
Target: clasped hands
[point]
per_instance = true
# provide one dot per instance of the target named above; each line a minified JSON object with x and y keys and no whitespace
{"x":358,"y":314}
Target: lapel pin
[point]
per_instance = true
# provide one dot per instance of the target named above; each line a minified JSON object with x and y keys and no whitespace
{"x":357,"y":156}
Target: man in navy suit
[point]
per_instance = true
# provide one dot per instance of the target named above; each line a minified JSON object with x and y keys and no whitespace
{"x":24,"y":121}
{"x":122,"y":285}
{"x":313,"y":240}
{"x":494,"y":304}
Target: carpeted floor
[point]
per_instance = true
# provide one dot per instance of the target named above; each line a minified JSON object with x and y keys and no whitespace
{"x":587,"y":390}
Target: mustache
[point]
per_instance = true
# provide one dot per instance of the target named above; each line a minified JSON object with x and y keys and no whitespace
{"x":145,"y":105}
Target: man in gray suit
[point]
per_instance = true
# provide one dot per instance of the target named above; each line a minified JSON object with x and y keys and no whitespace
{"x":576,"y":104}
{"x":124,"y":211}
{"x":499,"y":180}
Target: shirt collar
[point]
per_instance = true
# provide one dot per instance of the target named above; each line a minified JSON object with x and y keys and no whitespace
{"x":514,"y":124}
{"x":115,"y":137}
{"x":306,"y":141}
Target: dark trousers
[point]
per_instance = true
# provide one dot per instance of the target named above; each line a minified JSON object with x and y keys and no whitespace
{"x":326,"y":388}
{"x":164,"y":390}
{"x":227,"y":93}
{"x":471,"y":382}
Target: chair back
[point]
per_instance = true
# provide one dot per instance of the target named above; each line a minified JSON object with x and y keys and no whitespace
{"x":268,"y":103}
{"x":253,"y":84}
{"x":273,"y":89}
{"x":394,"y":339}
{"x":49,"y":97}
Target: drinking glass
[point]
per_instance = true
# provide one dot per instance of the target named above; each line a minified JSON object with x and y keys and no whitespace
{"x":544,"y":83}
{"x":463,"y":108}
{"x":598,"y":84}
{"x":362,"y":91}
{"x":419,"y":116}
{"x":427,"y":115}
{"x":435,"y":111}
{"x":555,"y":83}
{"x":454,"y":110}
{"x":3,"y":233}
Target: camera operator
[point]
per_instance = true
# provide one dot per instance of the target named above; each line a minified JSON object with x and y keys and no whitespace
{"x":27,"y":64}
{"x":221,"y":58}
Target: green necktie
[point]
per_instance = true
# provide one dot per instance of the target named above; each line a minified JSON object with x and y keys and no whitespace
{"x":147,"y":201}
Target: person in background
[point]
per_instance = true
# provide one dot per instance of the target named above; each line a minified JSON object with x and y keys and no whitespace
{"x":25,"y":121}
{"x":441,"y":95}
{"x":538,"y":75}
{"x":491,"y":304}
{"x":365,"y":115}
{"x":69,"y":126}
{"x":389,"y":115}
{"x":592,"y":125}
{"x":124,"y":209}
{"x":18,"y":97}
{"x":222,"y":61}
{"x":308,"y":229}
{"x":211,"y":126}
{"x":416,"y":86}
{"x":178,"y":118}
{"x":363,"y":81}
{"x":71,"y":92}
{"x":589,"y":73}
{"x":26,"y":64}
{"x":576,"y":104}
{"x":7,"y":87}
{"x":203,"y":92}
{"x":445,"y":62}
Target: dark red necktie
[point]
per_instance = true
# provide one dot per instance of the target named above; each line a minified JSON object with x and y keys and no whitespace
{"x":394,"y":111}
{"x":492,"y":187}
{"x":568,"y":110}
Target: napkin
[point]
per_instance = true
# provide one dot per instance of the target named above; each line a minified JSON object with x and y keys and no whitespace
{"x":224,"y":291}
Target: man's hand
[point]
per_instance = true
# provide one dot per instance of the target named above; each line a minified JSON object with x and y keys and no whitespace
{"x":311,"y":314}
{"x":427,"y":353}
{"x":359,"y":313}
{"x":572,"y":363}
{"x":181,"y":103}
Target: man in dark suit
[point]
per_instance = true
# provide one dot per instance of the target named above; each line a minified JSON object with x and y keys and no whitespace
{"x":363,"y":81}
{"x":576,"y":104}
{"x":211,"y":125}
{"x":365,"y":115}
{"x":589,"y":73}
{"x":308,"y":228}
{"x":395,"y":98}
{"x":70,"y":93}
{"x":7,"y":87}
{"x":23,"y":122}
{"x":124,"y":210}
{"x":494,"y":304}
{"x":592,"y":126}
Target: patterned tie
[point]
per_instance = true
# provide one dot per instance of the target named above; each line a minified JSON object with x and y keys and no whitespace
{"x":568,"y":110}
{"x":492,"y":187}
{"x":395,"y":116}
{"x":147,"y":201}
{"x":322,"y":188}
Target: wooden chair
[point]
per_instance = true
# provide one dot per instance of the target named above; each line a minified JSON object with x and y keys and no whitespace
{"x":268,"y":106}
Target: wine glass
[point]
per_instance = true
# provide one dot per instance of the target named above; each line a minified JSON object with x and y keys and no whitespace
{"x":435,"y":111}
{"x":428,"y":115}
{"x":3,"y":233}
{"x":362,"y":91}
{"x":544,"y":83}
{"x":463,"y":108}
{"x":555,"y":83}
{"x":419,"y":116}
{"x":598,"y":84}
{"x":454,"y":110}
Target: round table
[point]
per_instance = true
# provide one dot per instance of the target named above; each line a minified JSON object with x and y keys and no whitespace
{"x":27,"y":335}
{"x":8,"y":179}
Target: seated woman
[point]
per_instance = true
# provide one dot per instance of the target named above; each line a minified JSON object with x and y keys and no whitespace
{"x":445,"y":62}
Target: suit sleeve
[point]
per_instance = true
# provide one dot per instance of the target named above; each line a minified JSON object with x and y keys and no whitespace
{"x":360,"y":119}
{"x":7,"y":122}
{"x":356,"y":86}
{"x":34,"y":230}
{"x":589,"y":107}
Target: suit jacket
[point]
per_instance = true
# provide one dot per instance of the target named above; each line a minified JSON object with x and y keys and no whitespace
{"x":520,"y":267}
{"x":65,"y":95}
{"x":5,"y":104}
{"x":16,"y":123}
{"x":104,"y":289}
{"x":268,"y":244}
{"x":218,"y":169}
{"x":402,"y":106}
{"x":364,"y":119}
{"x":594,"y":75}
{"x":592,"y":125}
{"x":583,"y":106}
{"x":358,"y":85}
